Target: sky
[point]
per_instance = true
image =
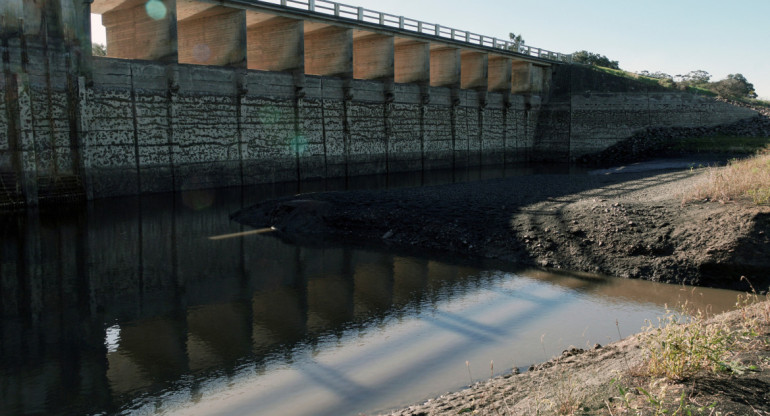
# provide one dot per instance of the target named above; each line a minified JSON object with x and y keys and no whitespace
{"x":672,"y":36}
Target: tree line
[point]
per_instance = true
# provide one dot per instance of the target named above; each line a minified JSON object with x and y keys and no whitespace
{"x":735,"y":86}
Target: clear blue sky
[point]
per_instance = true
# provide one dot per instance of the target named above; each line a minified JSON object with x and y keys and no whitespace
{"x":673,"y":36}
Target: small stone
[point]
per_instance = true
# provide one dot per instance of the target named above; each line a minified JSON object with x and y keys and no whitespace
{"x":388,"y":235}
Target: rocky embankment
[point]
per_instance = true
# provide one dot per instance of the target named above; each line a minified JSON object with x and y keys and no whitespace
{"x":656,"y":142}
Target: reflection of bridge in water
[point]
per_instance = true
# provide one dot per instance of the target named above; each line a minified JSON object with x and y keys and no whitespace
{"x":133,"y":295}
{"x":168,"y":300}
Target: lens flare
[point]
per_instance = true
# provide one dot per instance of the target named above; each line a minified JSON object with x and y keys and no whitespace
{"x":201,"y":53}
{"x":156,"y":9}
{"x":269,"y":115}
{"x":298,"y":144}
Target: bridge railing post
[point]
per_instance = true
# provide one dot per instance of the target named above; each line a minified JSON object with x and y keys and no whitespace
{"x":437,"y":29}
{"x":336,"y":10}
{"x":311,"y":5}
{"x":283,"y":3}
{"x":360,"y":13}
{"x":400,"y":22}
{"x":419,"y":27}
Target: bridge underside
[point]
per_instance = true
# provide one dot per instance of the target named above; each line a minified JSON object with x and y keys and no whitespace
{"x":201,"y":33}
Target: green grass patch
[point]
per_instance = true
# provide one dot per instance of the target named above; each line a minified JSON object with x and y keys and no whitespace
{"x":722,"y":144}
{"x":701,"y":91}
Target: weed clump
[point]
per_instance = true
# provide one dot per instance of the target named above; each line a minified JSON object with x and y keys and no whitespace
{"x":679,"y":346}
{"x":740,"y":179}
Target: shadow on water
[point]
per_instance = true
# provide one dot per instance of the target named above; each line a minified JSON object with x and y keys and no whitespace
{"x":110,"y":308}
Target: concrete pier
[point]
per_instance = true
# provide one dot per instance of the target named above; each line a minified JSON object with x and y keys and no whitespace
{"x":499,"y":73}
{"x":445,"y":66}
{"x":211,"y":35}
{"x":140,"y":30}
{"x":474,"y":70}
{"x":328,"y":50}
{"x":275,"y":43}
{"x":412,"y":61}
{"x":373,"y":56}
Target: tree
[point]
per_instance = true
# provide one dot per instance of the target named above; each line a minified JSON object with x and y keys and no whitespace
{"x":590,"y":58}
{"x":97,"y":49}
{"x":517,"y":40}
{"x":734,"y":86}
{"x":697,"y":77}
{"x":656,"y":75}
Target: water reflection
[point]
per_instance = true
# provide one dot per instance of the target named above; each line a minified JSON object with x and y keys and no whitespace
{"x":109,"y":308}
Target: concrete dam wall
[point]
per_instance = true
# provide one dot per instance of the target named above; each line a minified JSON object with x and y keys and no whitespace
{"x":153,"y":128}
{"x":73,"y":124}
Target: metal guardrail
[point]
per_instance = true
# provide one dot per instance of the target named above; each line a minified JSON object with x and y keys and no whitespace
{"x":361,"y":14}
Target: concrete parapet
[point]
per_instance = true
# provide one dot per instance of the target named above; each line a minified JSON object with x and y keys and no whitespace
{"x":275,"y":43}
{"x":373,"y":56}
{"x":329,"y":51}
{"x":412,"y":61}
{"x":216,"y":36}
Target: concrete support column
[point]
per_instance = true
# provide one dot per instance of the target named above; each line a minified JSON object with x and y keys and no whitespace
{"x":445,"y":67}
{"x":275,"y":44}
{"x":329,"y":52}
{"x":499,"y":73}
{"x":412,"y":61}
{"x":474,"y":70}
{"x":373,"y":57}
{"x":521,"y":77}
{"x":216,"y":36}
{"x":142,"y":30}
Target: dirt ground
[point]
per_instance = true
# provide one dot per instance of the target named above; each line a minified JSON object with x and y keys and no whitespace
{"x":628,"y":222}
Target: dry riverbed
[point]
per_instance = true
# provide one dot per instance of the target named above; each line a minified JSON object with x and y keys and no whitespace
{"x":622,"y":222}
{"x":628,"y":222}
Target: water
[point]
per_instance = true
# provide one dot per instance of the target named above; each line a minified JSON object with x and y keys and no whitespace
{"x":129,"y":306}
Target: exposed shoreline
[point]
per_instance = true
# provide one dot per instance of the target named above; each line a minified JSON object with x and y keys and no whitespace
{"x":626,"y":222}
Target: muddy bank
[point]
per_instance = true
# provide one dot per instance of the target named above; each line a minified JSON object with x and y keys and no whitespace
{"x":627,"y":222}
{"x":589,"y":382}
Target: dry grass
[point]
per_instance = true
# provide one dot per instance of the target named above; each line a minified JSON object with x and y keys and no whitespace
{"x":747,"y":179}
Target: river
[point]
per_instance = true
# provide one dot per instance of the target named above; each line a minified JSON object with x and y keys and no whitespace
{"x":161,"y":304}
